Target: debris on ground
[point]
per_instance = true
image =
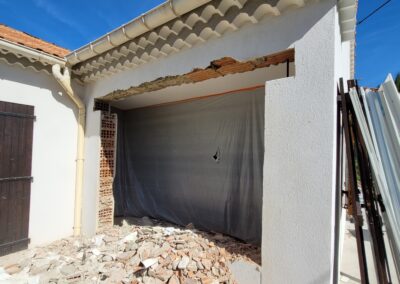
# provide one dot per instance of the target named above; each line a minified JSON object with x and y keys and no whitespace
{"x":132,"y":254}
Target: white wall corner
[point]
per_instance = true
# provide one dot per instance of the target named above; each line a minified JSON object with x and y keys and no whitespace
{"x":91,"y":180}
{"x":299,"y":165}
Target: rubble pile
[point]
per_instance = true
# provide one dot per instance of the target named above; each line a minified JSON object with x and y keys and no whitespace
{"x":132,"y":254}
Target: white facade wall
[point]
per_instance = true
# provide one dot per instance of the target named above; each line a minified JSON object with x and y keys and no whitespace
{"x":54,"y":150}
{"x":91,"y":181}
{"x":299,"y":167}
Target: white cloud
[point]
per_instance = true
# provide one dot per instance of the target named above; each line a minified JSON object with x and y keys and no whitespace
{"x":57,"y":13}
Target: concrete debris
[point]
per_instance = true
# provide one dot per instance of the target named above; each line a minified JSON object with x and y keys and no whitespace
{"x":184,"y":262}
{"x":150,"y":253}
{"x":149,"y":262}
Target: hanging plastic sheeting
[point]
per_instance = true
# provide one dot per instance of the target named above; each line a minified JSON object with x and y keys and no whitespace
{"x":381,"y":134}
{"x":197,"y":162}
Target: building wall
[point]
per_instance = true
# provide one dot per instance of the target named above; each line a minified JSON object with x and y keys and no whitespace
{"x":299,"y":167}
{"x":299,"y":171}
{"x":54,"y":150}
{"x":342,"y":70}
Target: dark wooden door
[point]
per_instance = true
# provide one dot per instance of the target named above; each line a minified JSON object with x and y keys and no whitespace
{"x":16,"y":133}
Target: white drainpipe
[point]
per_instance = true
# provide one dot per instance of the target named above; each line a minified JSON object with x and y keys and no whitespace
{"x":65,"y":81}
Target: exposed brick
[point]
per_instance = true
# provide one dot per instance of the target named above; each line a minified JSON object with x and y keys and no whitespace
{"x":202,"y":75}
{"x":238,"y":67}
{"x":107,"y":159}
{"x":223,"y":62}
{"x":217,"y":68}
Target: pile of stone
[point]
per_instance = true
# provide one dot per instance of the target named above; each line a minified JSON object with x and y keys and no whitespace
{"x":132,"y":254}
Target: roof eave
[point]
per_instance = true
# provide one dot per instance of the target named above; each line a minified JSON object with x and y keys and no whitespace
{"x":154,"y":18}
{"x":32,"y":54}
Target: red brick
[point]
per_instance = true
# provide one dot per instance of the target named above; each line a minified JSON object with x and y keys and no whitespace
{"x":238,"y":67}
{"x":202,"y":75}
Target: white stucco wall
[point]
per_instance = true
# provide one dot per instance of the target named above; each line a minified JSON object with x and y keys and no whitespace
{"x":91,"y":169}
{"x":299,"y":169}
{"x":54,"y":151}
{"x":299,"y":166}
{"x":342,"y":70}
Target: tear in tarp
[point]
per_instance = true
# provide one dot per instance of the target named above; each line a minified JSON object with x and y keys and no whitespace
{"x":197,"y":162}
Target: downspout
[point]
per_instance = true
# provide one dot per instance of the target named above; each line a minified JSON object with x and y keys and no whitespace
{"x":65,"y":81}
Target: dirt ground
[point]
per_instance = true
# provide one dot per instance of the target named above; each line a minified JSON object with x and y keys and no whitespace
{"x":140,"y":251}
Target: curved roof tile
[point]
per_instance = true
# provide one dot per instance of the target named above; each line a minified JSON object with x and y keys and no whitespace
{"x":27,"y":40}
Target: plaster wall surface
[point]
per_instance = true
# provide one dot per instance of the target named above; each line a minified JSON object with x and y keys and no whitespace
{"x":54,"y":150}
{"x":298,"y":243}
{"x":91,"y":169}
{"x":342,"y":70}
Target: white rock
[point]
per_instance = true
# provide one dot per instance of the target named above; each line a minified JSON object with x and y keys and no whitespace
{"x":149,"y":262}
{"x":169,"y":231}
{"x":184,"y":262}
{"x":132,"y":237}
{"x":68,"y":269}
{"x":34,"y":280}
{"x":107,"y":258}
{"x":98,"y":240}
{"x":4,"y":275}
{"x":96,"y":252}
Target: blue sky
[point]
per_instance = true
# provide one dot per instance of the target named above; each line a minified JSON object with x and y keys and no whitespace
{"x":73,"y":23}
{"x":378,"y":42}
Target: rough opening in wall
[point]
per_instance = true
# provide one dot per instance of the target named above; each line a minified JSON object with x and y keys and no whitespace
{"x":190,"y":172}
{"x":184,"y":163}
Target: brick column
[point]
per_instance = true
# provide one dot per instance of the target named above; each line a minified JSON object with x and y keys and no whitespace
{"x":108,"y":130}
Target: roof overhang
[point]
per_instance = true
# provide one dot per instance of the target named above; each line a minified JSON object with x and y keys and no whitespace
{"x":347,"y":18}
{"x":347,"y":10}
{"x":152,"y":19}
{"x":203,"y":22}
{"x":26,"y":57}
{"x":160,"y":32}
{"x":220,"y":76}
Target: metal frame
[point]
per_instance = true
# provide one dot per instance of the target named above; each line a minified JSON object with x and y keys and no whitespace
{"x":353,"y":192}
{"x":357,"y":154}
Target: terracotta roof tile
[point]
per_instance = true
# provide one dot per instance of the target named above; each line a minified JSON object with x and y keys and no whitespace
{"x":25,"y":39}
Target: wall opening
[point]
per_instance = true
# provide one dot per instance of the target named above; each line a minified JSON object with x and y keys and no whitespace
{"x":198,"y":161}
{"x":189,"y":148}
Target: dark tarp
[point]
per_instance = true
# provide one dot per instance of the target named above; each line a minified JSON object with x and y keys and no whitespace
{"x":197,"y":162}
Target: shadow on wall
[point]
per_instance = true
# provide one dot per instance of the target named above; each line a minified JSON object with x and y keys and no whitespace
{"x":15,"y":73}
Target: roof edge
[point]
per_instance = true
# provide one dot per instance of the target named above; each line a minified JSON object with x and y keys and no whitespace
{"x":347,"y":10}
{"x":32,"y":54}
{"x":153,"y":18}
